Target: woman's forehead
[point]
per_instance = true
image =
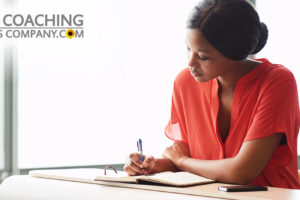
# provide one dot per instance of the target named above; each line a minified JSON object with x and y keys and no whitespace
{"x":196,"y":41}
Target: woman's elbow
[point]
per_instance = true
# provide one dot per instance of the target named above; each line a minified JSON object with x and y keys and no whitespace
{"x":243,"y":180}
{"x":241,"y":176}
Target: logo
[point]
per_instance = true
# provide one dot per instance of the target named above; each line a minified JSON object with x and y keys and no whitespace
{"x":70,"y":33}
{"x":41,"y":26}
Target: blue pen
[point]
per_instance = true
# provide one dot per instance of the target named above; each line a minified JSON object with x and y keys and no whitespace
{"x":140,"y":149}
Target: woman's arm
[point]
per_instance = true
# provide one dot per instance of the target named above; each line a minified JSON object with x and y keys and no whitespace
{"x":241,"y":169}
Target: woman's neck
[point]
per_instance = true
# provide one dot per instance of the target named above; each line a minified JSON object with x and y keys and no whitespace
{"x":228,"y":80}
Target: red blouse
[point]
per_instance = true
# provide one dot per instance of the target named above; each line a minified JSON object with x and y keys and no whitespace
{"x":265,"y":102}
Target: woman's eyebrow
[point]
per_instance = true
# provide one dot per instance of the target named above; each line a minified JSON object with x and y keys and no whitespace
{"x":203,"y":51}
{"x":198,"y":50}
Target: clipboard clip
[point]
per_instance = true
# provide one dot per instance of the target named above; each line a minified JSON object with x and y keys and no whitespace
{"x":109,"y":167}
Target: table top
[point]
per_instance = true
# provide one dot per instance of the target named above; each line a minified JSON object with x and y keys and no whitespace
{"x":30,"y":188}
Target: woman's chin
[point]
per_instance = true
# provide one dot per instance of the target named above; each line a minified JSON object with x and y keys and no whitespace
{"x":200,"y":78}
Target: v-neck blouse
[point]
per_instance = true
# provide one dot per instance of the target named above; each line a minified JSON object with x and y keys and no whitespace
{"x":265,"y":102}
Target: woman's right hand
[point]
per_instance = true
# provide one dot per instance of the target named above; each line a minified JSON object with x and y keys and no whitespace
{"x":134,"y":166}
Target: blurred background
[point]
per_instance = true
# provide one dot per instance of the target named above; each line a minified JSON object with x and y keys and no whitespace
{"x":84,"y":102}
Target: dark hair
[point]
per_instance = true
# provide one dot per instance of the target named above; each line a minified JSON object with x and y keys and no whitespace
{"x":232,"y":26}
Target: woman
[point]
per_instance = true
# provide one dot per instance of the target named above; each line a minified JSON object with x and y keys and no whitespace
{"x":233,"y":119}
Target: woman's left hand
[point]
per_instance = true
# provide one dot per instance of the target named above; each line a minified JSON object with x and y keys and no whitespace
{"x":177,"y":153}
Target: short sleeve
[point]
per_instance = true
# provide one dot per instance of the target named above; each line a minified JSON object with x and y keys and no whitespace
{"x":175,"y":129}
{"x":277,"y":111}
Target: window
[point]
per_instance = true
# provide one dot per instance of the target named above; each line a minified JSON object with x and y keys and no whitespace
{"x":283,"y":42}
{"x":87,"y":101}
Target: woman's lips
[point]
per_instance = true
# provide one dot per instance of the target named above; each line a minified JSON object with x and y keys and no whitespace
{"x":196,"y":74}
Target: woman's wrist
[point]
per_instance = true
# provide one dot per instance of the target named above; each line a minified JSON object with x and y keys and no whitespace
{"x":179,"y":163}
{"x":163,"y":164}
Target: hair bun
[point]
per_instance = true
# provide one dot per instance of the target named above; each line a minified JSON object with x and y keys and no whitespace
{"x":264,"y":33}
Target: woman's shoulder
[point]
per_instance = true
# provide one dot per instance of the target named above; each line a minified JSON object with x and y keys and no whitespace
{"x":276,"y":76}
{"x":276,"y":71}
{"x":183,"y":76}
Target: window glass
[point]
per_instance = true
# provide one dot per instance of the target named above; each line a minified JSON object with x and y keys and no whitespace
{"x":85,"y":101}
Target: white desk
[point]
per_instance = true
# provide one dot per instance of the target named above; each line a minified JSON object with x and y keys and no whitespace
{"x":30,"y":188}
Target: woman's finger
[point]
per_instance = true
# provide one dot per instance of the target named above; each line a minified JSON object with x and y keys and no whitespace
{"x":135,"y":158}
{"x":129,"y":171}
{"x":148,"y":162}
{"x":136,"y":168}
{"x":133,"y":165}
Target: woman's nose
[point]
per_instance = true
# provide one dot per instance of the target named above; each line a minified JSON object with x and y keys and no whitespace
{"x":192,"y":60}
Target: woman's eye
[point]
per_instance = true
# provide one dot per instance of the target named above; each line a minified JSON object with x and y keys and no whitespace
{"x":203,"y":58}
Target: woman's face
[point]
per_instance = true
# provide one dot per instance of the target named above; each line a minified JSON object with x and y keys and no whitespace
{"x":205,"y":62}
